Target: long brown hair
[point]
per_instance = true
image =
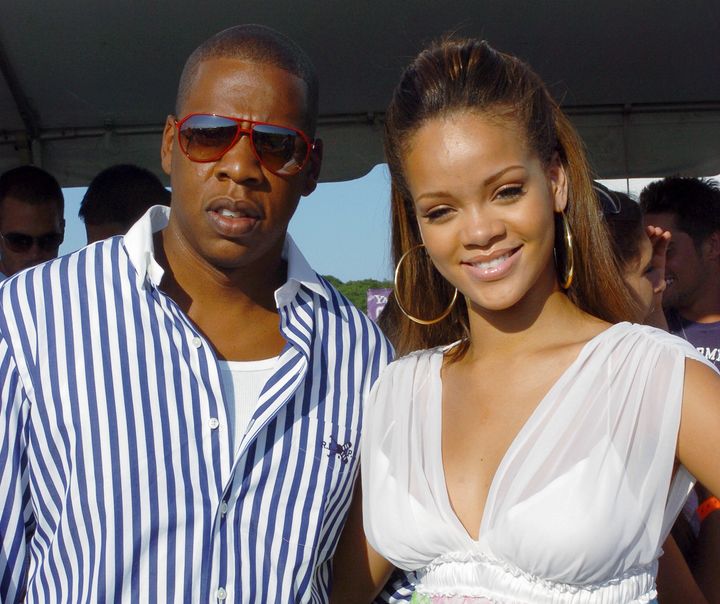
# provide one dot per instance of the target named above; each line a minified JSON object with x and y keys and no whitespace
{"x":456,"y":75}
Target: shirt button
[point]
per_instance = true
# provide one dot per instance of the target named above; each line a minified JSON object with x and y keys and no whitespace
{"x":221,"y":594}
{"x":213,"y":423}
{"x":223,"y":508}
{"x":196,"y":342}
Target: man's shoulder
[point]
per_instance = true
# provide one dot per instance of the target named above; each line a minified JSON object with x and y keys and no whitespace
{"x":349,"y":324}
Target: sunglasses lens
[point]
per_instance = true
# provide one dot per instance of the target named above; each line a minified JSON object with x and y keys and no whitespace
{"x":50,"y":241}
{"x":21,"y":243}
{"x":18,"y":242}
{"x":608,"y":202}
{"x":281,"y":150}
{"x":206,"y":137}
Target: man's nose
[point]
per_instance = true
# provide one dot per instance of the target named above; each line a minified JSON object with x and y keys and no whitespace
{"x":240,"y":163}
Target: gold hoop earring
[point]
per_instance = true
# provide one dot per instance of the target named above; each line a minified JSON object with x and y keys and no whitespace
{"x":569,"y":254}
{"x":444,"y":314}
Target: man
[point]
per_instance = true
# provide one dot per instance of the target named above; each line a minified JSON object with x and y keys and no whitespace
{"x":117,"y":197}
{"x":31,"y":219}
{"x":690,"y":209}
{"x":181,"y":406}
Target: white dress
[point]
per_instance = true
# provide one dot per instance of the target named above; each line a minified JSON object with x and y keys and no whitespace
{"x":580,"y":503}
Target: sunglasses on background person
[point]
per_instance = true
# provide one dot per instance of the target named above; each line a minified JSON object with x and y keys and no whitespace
{"x":608,"y":202}
{"x":21,"y":243}
{"x":206,"y":137}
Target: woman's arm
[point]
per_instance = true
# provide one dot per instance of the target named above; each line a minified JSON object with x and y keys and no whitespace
{"x":675,"y":582}
{"x":359,"y":572}
{"x":698,"y":448}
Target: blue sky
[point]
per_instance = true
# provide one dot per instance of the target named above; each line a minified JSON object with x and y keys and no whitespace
{"x":342,"y":228}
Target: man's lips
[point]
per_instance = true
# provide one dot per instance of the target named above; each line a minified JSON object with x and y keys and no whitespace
{"x":233,"y":218}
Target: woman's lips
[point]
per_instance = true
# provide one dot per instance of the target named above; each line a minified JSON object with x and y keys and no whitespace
{"x":494,"y":267}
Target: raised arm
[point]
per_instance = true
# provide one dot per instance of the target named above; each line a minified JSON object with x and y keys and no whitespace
{"x":359,"y":572}
{"x":16,"y":521}
{"x":659,"y":238}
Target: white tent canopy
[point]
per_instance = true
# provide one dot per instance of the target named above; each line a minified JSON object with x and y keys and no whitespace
{"x":88,"y":83}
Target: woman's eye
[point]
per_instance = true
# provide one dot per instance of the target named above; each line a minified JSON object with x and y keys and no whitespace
{"x":436,"y":213}
{"x":510,"y":192}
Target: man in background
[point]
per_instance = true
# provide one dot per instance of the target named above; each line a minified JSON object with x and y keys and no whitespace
{"x":690,"y":209}
{"x":117,"y":197}
{"x":31,"y":218}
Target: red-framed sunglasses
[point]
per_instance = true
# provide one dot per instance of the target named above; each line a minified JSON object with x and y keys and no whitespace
{"x":206,"y":137}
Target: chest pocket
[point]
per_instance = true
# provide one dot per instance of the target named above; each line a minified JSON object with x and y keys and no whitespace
{"x":301,"y":480}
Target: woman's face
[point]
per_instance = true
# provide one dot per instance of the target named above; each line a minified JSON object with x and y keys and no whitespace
{"x":638,"y":275}
{"x":485,"y":206}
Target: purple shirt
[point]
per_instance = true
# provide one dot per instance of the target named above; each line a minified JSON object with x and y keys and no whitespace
{"x":704,"y":336}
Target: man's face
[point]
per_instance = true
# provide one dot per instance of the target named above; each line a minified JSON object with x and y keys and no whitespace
{"x":686,"y":266}
{"x":233,"y":212}
{"x":41,"y":221}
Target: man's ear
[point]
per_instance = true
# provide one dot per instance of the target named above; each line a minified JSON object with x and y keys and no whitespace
{"x":557,"y":180}
{"x":712,"y":245}
{"x":315,"y":162}
{"x":166,"y":147}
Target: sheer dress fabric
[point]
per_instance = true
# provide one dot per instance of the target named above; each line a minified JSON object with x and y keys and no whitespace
{"x":581,"y":501}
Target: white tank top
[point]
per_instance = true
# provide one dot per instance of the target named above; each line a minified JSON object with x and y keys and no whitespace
{"x":242,"y":383}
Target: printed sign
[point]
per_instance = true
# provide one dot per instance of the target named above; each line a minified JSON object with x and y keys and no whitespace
{"x":376,"y":301}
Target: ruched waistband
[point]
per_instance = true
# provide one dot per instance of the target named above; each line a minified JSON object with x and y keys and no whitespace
{"x":476,"y":578}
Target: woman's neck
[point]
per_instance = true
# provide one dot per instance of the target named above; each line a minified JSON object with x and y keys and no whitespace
{"x":529,"y":326}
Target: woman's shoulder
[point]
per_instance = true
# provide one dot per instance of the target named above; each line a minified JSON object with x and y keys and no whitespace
{"x":633,"y":347}
{"x":636,"y":335}
{"x":406,"y":381}
{"x":406,"y":366}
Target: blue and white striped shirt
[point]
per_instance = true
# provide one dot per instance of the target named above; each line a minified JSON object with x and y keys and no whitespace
{"x":117,"y":474}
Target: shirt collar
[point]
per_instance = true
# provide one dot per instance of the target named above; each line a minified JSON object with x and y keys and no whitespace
{"x":139,"y":245}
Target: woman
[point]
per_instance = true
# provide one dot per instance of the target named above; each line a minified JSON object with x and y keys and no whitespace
{"x":531,"y":460}
{"x":640,"y":252}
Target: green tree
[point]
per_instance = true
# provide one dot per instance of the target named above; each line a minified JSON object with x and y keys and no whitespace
{"x":356,"y":291}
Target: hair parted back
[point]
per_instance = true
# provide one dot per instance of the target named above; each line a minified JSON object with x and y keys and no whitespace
{"x":460,"y":75}
{"x":695,"y":202}
{"x":626,"y":228}
{"x":256,"y":44}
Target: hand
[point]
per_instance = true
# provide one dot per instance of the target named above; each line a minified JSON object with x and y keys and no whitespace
{"x":659,"y":239}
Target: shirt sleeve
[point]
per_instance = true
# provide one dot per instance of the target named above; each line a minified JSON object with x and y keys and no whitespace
{"x":16,"y":519}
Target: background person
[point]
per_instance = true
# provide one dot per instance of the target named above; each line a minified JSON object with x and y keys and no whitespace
{"x":117,"y":197}
{"x":31,"y":218}
{"x":496,"y":456}
{"x":690,"y":209}
{"x":641,"y":252}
